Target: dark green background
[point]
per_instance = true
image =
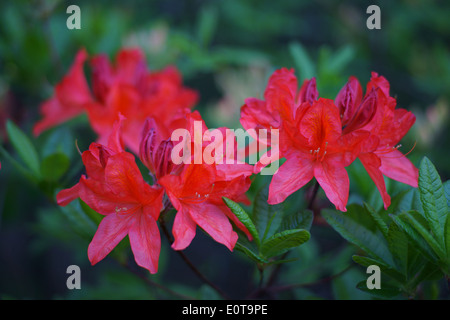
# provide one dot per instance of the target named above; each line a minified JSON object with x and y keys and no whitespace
{"x":226,"y":50}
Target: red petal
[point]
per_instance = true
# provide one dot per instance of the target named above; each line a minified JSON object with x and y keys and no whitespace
{"x":281,"y":93}
{"x":291,"y":176}
{"x":308,"y":92}
{"x":254,"y":115}
{"x":183,"y":230}
{"x":111,"y":230}
{"x":64,"y":197}
{"x":131,"y":66}
{"x":403,"y":120}
{"x":377,"y":81}
{"x":102,"y":76}
{"x":99,"y":197}
{"x":396,"y":166}
{"x":123,"y":177}
{"x":333,"y":179}
{"x":372,"y":165}
{"x":321,"y":123}
{"x":145,"y":242}
{"x":348,"y":99}
{"x":70,"y":97}
{"x":214,"y":221}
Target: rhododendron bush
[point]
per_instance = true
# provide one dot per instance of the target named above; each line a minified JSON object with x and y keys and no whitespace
{"x":309,"y":187}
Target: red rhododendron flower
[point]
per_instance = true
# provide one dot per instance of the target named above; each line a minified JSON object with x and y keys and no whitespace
{"x":315,"y":146}
{"x":311,"y":138}
{"x":197,"y":195}
{"x":377,"y":114}
{"x":70,"y":97}
{"x":281,"y":100}
{"x":127,"y":88}
{"x":334,"y":134}
{"x":196,"y":190}
{"x":114,"y":187}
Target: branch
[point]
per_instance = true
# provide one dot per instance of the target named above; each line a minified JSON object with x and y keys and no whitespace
{"x":186,"y":259}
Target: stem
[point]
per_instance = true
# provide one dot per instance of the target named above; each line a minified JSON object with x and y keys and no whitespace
{"x":278,"y":267}
{"x":155,"y":284}
{"x":186,"y":259}
{"x":313,"y":195}
{"x":447,"y":277}
{"x":308,"y":284}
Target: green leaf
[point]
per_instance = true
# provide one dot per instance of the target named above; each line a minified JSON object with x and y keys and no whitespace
{"x":59,"y":140}
{"x":398,"y":245}
{"x":391,"y":272}
{"x":249,"y":253}
{"x":300,"y":220}
{"x":386,"y":291}
{"x":283,"y":241}
{"x":272,"y":262}
{"x":433,"y":199}
{"x":428,"y":271}
{"x":377,"y":219}
{"x":302,"y":60}
{"x":54,"y":166}
{"x":79,"y":221}
{"x":350,"y":227}
{"x":243,"y":217}
{"x":447,"y":237}
{"x":267,"y":217}
{"x":19,"y":167}
{"x":206,"y":25}
{"x":24,"y":148}
{"x":421,"y":244}
{"x":426,"y":235}
{"x":340,"y":59}
{"x":91,"y":213}
{"x":447,"y":191}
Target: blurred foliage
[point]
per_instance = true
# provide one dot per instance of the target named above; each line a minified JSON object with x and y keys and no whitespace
{"x":226,"y":50}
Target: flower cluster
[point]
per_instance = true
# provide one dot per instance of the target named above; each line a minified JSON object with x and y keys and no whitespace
{"x":126,"y":87}
{"x":115,"y":187}
{"x":319,"y":137}
{"x":141,"y":110}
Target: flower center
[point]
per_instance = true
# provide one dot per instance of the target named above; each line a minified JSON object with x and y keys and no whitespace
{"x":319,"y":153}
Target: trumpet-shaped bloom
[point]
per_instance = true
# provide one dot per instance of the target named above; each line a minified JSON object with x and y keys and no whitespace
{"x":196,"y":190}
{"x":115,"y":188}
{"x":315,"y":146}
{"x":197,"y":194}
{"x":127,"y":88}
{"x":377,"y":114}
{"x":70,"y":97}
{"x":281,"y":100}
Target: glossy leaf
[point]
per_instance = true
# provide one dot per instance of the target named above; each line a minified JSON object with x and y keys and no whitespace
{"x":348,"y":226}
{"x":433,"y":199}
{"x":386,"y":291}
{"x":54,"y":166}
{"x":243,"y":217}
{"x":283,"y":241}
{"x":377,"y":219}
{"x":398,"y":245}
{"x":24,"y":148}
{"x":432,"y":242}
{"x":250,"y":253}
{"x":414,"y":236}
{"x":267,"y":217}
{"x":300,"y":220}
{"x":390,"y":271}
